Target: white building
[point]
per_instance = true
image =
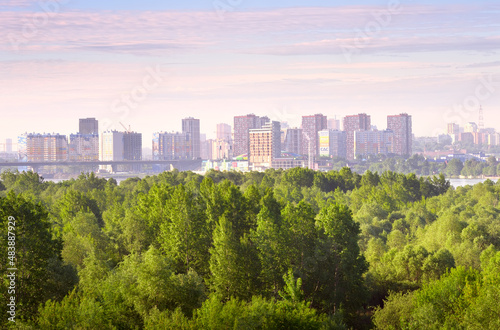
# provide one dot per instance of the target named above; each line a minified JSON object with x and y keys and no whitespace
{"x":111,"y":146}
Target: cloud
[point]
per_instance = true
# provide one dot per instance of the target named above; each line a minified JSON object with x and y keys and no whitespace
{"x":387,"y":45}
{"x":17,"y":3}
{"x":292,"y":31}
{"x":482,"y":65}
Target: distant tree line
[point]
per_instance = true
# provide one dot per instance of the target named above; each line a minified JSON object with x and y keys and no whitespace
{"x":419,"y":165}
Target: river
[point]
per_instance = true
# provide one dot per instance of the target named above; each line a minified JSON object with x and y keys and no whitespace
{"x":464,"y":182}
{"x":454,"y":182}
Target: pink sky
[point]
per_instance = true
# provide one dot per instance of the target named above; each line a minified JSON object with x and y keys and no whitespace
{"x":283,"y":63}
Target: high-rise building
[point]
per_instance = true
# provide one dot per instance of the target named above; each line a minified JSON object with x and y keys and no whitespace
{"x":221,"y":149}
{"x":386,"y":142}
{"x":470,"y":128}
{"x":360,"y":122}
{"x":84,"y":147}
{"x":402,"y":127}
{"x":224,"y":132}
{"x":118,"y":146}
{"x":132,"y":146}
{"x":46,"y":147}
{"x":466,"y":137}
{"x":452,"y":129}
{"x":293,"y":140}
{"x":191,"y":126}
{"x":494,"y":139}
{"x":242,"y":127}
{"x":171,"y":146}
{"x":265,"y":144}
{"x":311,"y":125}
{"x":373,"y":142}
{"x":332,"y":143}
{"x":88,"y":126}
{"x":111,"y":146}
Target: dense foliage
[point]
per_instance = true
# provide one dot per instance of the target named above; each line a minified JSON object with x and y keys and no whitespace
{"x":292,"y":249}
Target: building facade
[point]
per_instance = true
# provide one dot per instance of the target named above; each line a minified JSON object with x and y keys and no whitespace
{"x":332,"y":143}
{"x":111,"y":146}
{"x":46,"y":147}
{"x":132,"y":146}
{"x":221,"y":149}
{"x":265,"y":144}
{"x":452,"y":129}
{"x":360,"y":122}
{"x":206,"y":149}
{"x":466,"y":137}
{"x":88,"y":126}
{"x":83,"y":147}
{"x":401,"y":125}
{"x":191,"y":127}
{"x":172,"y":146}
{"x":311,"y":125}
{"x":373,"y":142}
{"x":242,"y":127}
{"x":293,"y":140}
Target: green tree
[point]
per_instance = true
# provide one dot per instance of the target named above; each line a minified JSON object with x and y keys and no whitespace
{"x":396,"y":313}
{"x":73,"y":312}
{"x":454,"y":167}
{"x":299,"y":222}
{"x":234,"y":264}
{"x":339,"y":279}
{"x":409,"y":263}
{"x":185,"y":236}
{"x":271,"y":238}
{"x":32,"y":247}
{"x":25,"y":182}
{"x":437,"y":264}
{"x":81,"y":236}
{"x":148,"y":281}
{"x":299,"y":176}
{"x":74,"y":202}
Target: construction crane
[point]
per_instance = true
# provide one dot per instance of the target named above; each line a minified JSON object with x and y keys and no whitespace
{"x":128,"y":130}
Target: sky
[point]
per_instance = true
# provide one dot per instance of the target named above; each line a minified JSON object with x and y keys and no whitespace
{"x":148,"y":64}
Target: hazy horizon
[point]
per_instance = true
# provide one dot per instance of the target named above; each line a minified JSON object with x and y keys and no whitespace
{"x":149,"y":65}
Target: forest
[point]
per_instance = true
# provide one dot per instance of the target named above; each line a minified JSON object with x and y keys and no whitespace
{"x":294,"y":249}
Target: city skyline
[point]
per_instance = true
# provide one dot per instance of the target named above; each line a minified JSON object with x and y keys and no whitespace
{"x":269,"y":146}
{"x":149,"y":65}
{"x":400,"y":124}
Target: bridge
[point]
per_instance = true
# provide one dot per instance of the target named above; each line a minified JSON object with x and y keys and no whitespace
{"x":182,"y":165}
